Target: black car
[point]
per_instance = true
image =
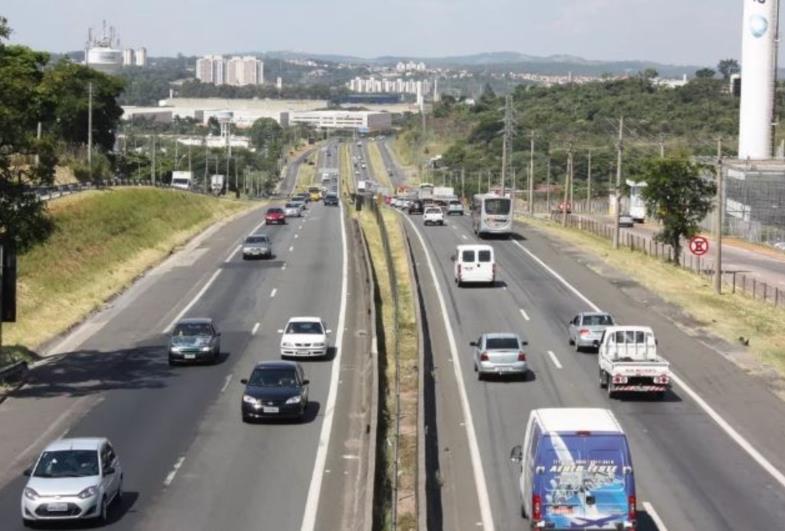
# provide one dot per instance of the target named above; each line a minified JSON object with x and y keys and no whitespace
{"x":194,"y":340}
{"x":331,"y":199}
{"x":275,"y":389}
{"x":416,"y":207}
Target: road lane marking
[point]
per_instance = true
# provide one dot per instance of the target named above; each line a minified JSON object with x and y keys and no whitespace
{"x":474,"y":448}
{"x":743,"y":443}
{"x":233,"y":254}
{"x":255,"y":329}
{"x":555,"y":360}
{"x":226,"y":383}
{"x":273,"y":292}
{"x":291,"y":248}
{"x":654,"y":516}
{"x":173,"y":473}
{"x":464,"y":237}
{"x":193,"y":301}
{"x":315,"y":487}
{"x":296,"y":236}
{"x":283,"y":267}
{"x":525,"y":315}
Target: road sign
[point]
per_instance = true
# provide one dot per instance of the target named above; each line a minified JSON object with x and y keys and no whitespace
{"x":699,"y":245}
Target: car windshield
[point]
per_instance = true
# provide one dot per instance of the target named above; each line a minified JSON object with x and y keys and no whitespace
{"x":291,"y":205}
{"x":308,"y":327}
{"x":433,"y":211}
{"x":500,"y":206}
{"x":597,"y":320}
{"x":256,"y":239}
{"x":274,"y":211}
{"x":273,"y":378}
{"x":192,"y":329}
{"x":67,"y":464}
{"x":502,"y":343}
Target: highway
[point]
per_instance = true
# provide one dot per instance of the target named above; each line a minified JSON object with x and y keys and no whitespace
{"x":189,"y":461}
{"x":690,"y":473}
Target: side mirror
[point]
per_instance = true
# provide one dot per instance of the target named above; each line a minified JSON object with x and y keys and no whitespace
{"x":108,"y":471}
{"x":516,"y":454}
{"x":329,"y":332}
{"x":453,"y":258}
{"x":218,"y":334}
{"x":306,"y":382}
{"x":539,"y":470}
{"x":525,"y":343}
{"x":28,"y":472}
{"x":244,"y":381}
{"x":280,"y":330}
{"x":472,"y":343}
{"x":627,"y":469}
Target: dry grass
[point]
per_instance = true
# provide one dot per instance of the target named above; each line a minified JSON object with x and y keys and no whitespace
{"x":306,"y":173}
{"x":728,"y":316}
{"x":378,"y":169}
{"x":407,"y":342}
{"x":102,"y":242}
{"x":345,"y":165}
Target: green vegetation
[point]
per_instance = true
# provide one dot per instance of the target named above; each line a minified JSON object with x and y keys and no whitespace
{"x":677,"y":197}
{"x":101,"y":242}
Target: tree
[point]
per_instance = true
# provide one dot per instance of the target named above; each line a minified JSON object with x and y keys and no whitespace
{"x":266,"y":135}
{"x":677,"y":196}
{"x":728,"y":67}
{"x":705,"y":73}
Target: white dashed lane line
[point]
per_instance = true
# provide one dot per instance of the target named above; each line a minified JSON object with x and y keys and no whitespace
{"x":554,"y":359}
{"x":255,"y":329}
{"x":173,"y":473}
{"x":273,"y":292}
{"x":226,"y":383}
{"x":525,"y":315}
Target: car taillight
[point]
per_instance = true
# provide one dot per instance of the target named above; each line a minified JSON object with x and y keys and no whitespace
{"x":536,"y":508}
{"x":521,"y":356}
{"x":619,"y":379}
{"x":632,"y":512}
{"x":662,"y":380}
{"x":484,"y":356}
{"x":584,"y":331}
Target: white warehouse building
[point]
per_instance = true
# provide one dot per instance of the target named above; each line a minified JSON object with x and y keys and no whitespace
{"x":362,"y":121}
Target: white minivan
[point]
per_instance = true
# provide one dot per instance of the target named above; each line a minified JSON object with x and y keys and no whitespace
{"x":475,"y":264}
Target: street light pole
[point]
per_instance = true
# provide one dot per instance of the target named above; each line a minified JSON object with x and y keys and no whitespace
{"x":90,"y":129}
{"x":617,"y":199}
{"x":718,"y":224}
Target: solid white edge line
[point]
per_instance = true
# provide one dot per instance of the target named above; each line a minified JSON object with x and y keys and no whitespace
{"x":255,"y":329}
{"x":743,"y":443}
{"x":474,"y":449}
{"x":555,"y":360}
{"x":193,"y":301}
{"x":525,"y":315}
{"x":173,"y":473}
{"x":654,"y":516}
{"x":315,"y":487}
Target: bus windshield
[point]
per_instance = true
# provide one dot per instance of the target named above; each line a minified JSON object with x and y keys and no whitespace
{"x":497,"y":207}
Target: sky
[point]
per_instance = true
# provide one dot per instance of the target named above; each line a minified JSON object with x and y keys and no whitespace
{"x":689,"y":32}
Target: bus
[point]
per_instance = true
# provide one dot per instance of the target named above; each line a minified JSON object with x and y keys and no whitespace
{"x":637,"y":204}
{"x":491,"y":215}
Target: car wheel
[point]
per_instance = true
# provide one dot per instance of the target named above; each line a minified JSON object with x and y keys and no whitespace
{"x":172,"y":363}
{"x":27,"y":523}
{"x":247,"y":419}
{"x":611,"y":392}
{"x":480,"y":376}
{"x":569,"y":339}
{"x":659,"y":395}
{"x":103,"y":516}
{"x":577,"y":346}
{"x":603,"y":379}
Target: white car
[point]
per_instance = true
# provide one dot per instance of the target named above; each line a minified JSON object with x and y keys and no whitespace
{"x":293,"y":210}
{"x":474,"y":264}
{"x":433,"y":215}
{"x":625,"y":220}
{"x":455,"y":208}
{"x":72,"y":479}
{"x":304,"y":337}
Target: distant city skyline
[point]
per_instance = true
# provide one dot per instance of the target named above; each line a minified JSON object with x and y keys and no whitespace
{"x":666,"y":31}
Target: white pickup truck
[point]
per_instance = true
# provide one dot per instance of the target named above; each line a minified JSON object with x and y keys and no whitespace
{"x":629,"y":362}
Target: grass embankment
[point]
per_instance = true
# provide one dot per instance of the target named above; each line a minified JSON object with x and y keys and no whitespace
{"x":729,"y":316}
{"x":345,"y":165}
{"x":407,"y":344}
{"x":378,"y":168}
{"x":103,"y":240}
{"x":306,"y":173}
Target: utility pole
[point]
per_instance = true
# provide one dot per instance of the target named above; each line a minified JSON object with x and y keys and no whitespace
{"x":206,"y":163}
{"x":588,"y":185}
{"x":572,"y":179}
{"x":662,"y":146}
{"x":90,"y":129}
{"x":463,"y":183}
{"x":567,"y":185}
{"x":548,"y":186}
{"x":38,"y":132}
{"x":152,"y":162}
{"x":507,"y":139}
{"x":176,"y":154}
{"x":531,"y":175}
{"x":189,"y":158}
{"x":718,"y":224}
{"x":489,"y":181}
{"x":617,"y":198}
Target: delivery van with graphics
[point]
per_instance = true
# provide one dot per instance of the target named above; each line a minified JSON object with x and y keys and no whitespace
{"x":576,"y":471}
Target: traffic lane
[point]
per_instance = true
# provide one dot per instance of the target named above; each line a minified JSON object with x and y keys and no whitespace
{"x":395,"y":172}
{"x":248,"y":457}
{"x":63,"y":389}
{"x":141,"y":395}
{"x":680,"y":490}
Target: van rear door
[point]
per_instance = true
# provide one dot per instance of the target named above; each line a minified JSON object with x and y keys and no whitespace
{"x":584,"y":481}
{"x":485,"y":264}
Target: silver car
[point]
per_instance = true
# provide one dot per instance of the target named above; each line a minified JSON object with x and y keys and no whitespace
{"x":72,"y":479}
{"x":293,"y":209}
{"x":501,"y":354}
{"x":257,"y":246}
{"x":588,"y":327}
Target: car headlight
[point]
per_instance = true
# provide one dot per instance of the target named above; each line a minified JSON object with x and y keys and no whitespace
{"x":89,"y":492}
{"x":318,"y":344}
{"x":296,"y":399}
{"x":174,"y":348}
{"x":205,"y":349}
{"x":250,"y":400}
{"x":286,"y":344}
{"x":30,"y":494}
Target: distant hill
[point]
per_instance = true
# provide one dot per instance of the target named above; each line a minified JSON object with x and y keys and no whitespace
{"x":511,"y":61}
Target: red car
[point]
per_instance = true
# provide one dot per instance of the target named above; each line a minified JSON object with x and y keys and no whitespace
{"x":275,"y":215}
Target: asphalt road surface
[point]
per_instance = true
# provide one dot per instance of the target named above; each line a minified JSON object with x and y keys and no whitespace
{"x":691,"y":472}
{"x":189,"y":461}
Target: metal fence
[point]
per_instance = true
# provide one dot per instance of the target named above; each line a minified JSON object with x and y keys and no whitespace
{"x":737,"y":281}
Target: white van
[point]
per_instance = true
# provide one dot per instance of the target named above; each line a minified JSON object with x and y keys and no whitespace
{"x":475,"y":264}
{"x":576,"y":471}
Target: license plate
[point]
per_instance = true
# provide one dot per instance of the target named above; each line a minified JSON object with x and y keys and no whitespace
{"x":189,"y":356}
{"x":302,"y":352}
{"x":57,"y":507}
{"x":268,"y":409}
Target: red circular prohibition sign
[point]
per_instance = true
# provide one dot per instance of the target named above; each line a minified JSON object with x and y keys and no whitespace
{"x":699,"y":245}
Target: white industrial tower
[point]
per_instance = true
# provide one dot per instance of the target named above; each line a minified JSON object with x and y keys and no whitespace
{"x":758,"y":76}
